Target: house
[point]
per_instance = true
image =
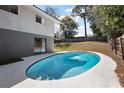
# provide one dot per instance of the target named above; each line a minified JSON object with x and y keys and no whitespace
{"x":25,"y":30}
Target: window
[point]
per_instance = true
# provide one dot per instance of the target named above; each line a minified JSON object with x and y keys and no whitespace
{"x":10,"y":8}
{"x":43,"y":21}
{"x":38,"y":19}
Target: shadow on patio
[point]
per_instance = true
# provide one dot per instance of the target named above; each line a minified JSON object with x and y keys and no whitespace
{"x":14,"y":73}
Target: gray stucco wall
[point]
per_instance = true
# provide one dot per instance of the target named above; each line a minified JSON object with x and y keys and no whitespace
{"x":50,"y":44}
{"x":1,"y":45}
{"x":15,"y":44}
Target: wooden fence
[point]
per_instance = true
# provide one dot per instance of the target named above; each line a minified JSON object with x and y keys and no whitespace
{"x":117,"y":46}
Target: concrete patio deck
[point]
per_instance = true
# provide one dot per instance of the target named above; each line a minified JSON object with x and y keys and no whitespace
{"x":101,"y":75}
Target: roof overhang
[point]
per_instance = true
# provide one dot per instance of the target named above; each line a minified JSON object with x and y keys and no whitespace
{"x":40,"y":11}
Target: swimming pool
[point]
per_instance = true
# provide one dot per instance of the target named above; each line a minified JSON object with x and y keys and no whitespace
{"x":62,"y":65}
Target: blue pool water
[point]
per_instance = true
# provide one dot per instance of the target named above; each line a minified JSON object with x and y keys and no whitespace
{"x":63,"y":65}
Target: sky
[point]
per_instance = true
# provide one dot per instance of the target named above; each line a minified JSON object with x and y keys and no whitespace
{"x":66,"y":10}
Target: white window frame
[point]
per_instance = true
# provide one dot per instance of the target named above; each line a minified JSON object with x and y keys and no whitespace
{"x":43,"y":21}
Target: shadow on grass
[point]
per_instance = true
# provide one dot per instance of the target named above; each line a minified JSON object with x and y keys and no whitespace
{"x":63,"y":45}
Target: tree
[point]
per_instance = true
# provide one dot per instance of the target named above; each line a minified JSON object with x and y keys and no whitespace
{"x":108,"y":19}
{"x":68,"y":27}
{"x":92,"y":20}
{"x":52,"y":11}
{"x":96,"y":31}
{"x":81,"y":11}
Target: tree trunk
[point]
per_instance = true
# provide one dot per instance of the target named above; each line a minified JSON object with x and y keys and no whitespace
{"x":85,"y":27}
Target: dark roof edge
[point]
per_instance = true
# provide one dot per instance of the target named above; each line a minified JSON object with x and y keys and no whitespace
{"x":46,"y":13}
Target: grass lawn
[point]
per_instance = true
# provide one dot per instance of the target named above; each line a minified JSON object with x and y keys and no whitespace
{"x":97,"y":47}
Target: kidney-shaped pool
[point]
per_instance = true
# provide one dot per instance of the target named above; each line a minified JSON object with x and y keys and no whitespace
{"x":62,"y":65}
